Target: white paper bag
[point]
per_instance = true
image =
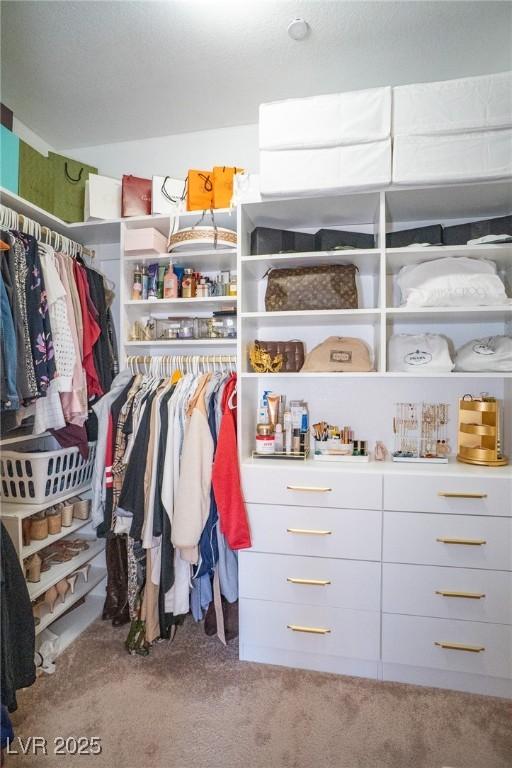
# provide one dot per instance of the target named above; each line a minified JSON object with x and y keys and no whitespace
{"x":102,"y":198}
{"x":169,"y":196}
{"x":246,"y":188}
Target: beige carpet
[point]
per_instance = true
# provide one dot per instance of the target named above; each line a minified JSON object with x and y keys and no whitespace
{"x":192,"y":704}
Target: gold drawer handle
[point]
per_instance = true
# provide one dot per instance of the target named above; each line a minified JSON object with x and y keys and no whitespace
{"x":469,"y":542}
{"x":308,"y":531}
{"x":460,"y":647}
{"x":313,"y":582}
{"x":309,"y":488}
{"x":455,"y":495}
{"x":451,"y":593}
{"x":310,"y":630}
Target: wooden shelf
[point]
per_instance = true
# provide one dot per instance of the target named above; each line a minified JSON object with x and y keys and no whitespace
{"x":315,"y":317}
{"x":96,"y":575}
{"x":71,"y":626}
{"x":36,"y":546}
{"x":205,"y":259}
{"x":204,"y":303}
{"x":182,"y":343}
{"x":494,"y":314}
{"x":375,"y":375}
{"x":366,"y":260}
{"x":20,"y":438}
{"x":60,"y":571}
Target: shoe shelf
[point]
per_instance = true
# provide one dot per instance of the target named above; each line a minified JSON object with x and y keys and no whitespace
{"x":21,"y":511}
{"x":36,"y":546}
{"x":61,"y":570}
{"x":82,"y":588}
{"x":71,"y":626}
{"x":20,"y":437}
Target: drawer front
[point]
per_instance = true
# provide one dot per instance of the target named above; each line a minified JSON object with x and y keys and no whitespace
{"x":310,"y":629}
{"x":451,"y":593}
{"x":310,"y":580}
{"x":419,"y":642}
{"x":413,"y":539}
{"x":320,"y":532}
{"x":308,"y":487}
{"x":446,"y":493}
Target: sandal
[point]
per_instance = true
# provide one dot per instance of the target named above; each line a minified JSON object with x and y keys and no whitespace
{"x":78,"y":544}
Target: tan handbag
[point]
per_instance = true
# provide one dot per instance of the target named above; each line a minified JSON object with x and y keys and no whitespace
{"x":341,"y":354}
{"x":331,"y":286}
{"x":275,"y":356}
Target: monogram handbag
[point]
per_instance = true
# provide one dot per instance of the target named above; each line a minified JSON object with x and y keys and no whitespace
{"x":199,"y":190}
{"x":331,"y":286}
{"x":69,"y":178}
{"x":275,"y":356}
{"x":136,"y":196}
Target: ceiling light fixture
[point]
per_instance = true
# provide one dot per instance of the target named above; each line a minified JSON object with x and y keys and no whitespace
{"x":298,"y":29}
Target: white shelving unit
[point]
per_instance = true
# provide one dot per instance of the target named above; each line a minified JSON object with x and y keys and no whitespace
{"x":379,"y":314}
{"x":208,"y":261}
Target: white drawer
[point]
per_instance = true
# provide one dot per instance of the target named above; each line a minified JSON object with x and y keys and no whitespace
{"x":412,"y":538}
{"x":413,"y":640}
{"x":310,"y":629}
{"x":450,"y":593}
{"x":310,"y":580}
{"x":316,"y":531}
{"x":311,"y":487}
{"x":447,"y":493}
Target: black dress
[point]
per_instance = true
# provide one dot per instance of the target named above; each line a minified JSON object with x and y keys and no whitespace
{"x":17,"y":641}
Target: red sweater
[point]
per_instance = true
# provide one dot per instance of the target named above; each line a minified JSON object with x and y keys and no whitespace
{"x":226,"y":477}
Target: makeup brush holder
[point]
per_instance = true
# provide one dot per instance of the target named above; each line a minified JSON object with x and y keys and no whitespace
{"x":479,"y":436}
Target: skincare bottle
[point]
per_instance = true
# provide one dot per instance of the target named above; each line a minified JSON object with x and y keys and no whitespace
{"x":145,"y":283}
{"x":137,"y":284}
{"x":296,"y":441}
{"x":278,"y":439}
{"x":170,"y":283}
{"x":287,"y":420}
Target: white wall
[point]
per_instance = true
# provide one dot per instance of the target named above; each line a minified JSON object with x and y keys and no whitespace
{"x":174,"y":155}
{"x":29,"y":137}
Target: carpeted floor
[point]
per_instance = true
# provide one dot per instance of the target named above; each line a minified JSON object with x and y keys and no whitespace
{"x":192,"y":704}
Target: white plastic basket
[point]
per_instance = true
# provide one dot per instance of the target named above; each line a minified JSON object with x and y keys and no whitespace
{"x":37,"y":477}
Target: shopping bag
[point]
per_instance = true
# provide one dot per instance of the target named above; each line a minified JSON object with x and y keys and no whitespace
{"x":102,"y":198}
{"x":223,"y":185}
{"x":168,"y":195}
{"x":136,"y":196}
{"x":246,"y":188}
{"x":35,"y":182}
{"x":69,"y":177}
{"x":199,"y":190}
{"x":9,"y":160}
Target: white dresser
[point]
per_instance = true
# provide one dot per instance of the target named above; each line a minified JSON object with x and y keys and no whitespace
{"x":383,"y":571}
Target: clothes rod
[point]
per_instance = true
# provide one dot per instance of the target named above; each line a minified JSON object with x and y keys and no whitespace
{"x":177,"y":358}
{"x":11,"y":219}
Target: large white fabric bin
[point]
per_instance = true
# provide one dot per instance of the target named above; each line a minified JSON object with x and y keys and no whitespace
{"x":302,"y":172}
{"x":454,"y":158}
{"x":453,"y":106}
{"x":331,"y":120}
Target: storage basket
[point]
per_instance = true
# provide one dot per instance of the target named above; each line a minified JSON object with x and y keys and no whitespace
{"x":36,"y":477}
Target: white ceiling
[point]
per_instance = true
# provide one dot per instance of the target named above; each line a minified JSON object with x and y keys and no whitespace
{"x":85,"y":73}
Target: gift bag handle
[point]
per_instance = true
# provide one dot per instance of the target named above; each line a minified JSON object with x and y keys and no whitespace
{"x":170,"y":198}
{"x":69,"y":177}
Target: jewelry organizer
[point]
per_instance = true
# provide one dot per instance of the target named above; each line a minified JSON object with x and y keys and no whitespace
{"x":421,"y":432}
{"x":479,"y":440}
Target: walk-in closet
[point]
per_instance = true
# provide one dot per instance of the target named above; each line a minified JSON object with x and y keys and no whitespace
{"x":256,"y":384}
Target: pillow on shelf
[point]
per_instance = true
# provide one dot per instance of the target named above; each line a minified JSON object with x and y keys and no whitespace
{"x":452,"y":282}
{"x":419,"y":352}
{"x":493,"y":353}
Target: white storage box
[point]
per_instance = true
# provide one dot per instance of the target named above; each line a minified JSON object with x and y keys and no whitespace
{"x":30,"y":477}
{"x":452,"y":157}
{"x":148,"y":240}
{"x":328,"y":170}
{"x":332,"y":120}
{"x":453,"y":106}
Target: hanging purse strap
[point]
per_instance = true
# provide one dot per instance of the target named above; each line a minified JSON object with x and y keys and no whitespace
{"x":69,"y":177}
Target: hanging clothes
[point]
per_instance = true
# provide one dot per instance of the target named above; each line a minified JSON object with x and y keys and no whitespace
{"x":160,"y":436}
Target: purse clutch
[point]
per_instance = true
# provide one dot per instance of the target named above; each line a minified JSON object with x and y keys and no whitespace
{"x":332,"y":286}
{"x":275,"y":356}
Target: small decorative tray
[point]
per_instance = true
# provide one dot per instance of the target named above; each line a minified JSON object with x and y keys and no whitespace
{"x":294,"y":456}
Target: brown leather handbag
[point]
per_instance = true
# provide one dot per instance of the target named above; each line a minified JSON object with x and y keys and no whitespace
{"x":330,"y":286}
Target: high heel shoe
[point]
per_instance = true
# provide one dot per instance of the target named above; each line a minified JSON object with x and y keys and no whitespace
{"x":39,"y":527}
{"x":26,"y":524}
{"x":84,"y":570}
{"x":72,"y":582}
{"x":62,"y":588}
{"x":32,"y":566}
{"x":50,"y":597}
{"x":39,"y":610}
